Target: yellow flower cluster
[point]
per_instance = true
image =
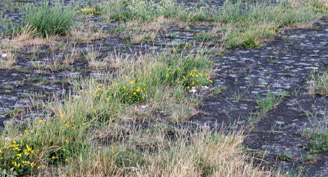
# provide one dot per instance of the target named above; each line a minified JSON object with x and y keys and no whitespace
{"x":87,"y":11}
{"x":321,"y":10}
{"x":17,"y":156}
{"x":127,"y":91}
{"x":250,"y":43}
{"x":187,"y":78}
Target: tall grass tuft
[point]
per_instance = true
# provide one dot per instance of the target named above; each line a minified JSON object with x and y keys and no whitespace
{"x":49,"y":19}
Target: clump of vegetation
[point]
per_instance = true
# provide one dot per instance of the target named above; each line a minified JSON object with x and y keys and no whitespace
{"x":65,"y":141}
{"x":143,"y":10}
{"x":18,"y":156}
{"x":48,"y":19}
{"x":91,"y":11}
{"x":118,"y":146}
{"x":250,"y":43}
{"x":319,"y":143}
{"x":100,"y":132}
{"x":244,"y":24}
{"x":190,"y":72}
{"x":319,"y":84}
{"x":165,"y":70}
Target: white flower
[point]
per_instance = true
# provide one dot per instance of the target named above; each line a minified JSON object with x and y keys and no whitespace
{"x":193,"y":90}
{"x":4,"y":55}
{"x":144,"y":106}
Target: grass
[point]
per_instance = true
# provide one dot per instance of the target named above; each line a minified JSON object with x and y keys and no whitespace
{"x":48,"y":20}
{"x":245,"y":25}
{"x":7,"y":59}
{"x":318,"y":134}
{"x":100,"y":119}
{"x":143,"y":11}
{"x":266,"y":105}
{"x":319,"y":84}
{"x":160,"y":155}
{"x":129,"y":123}
{"x":319,"y":142}
{"x":236,"y":24}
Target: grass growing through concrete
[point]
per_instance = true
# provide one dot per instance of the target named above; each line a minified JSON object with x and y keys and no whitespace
{"x":49,"y":20}
{"x":99,"y":131}
{"x":245,"y":25}
{"x":266,"y":105}
{"x":142,"y":11}
{"x":129,"y":125}
{"x":318,"y":135}
{"x":319,"y":143}
{"x":319,"y":84}
{"x":238,"y":25}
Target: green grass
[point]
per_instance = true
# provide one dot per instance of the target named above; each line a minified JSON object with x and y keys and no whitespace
{"x":96,"y":131}
{"x":93,"y":134}
{"x":247,"y":24}
{"x":45,"y":20}
{"x":13,"y":112}
{"x":266,"y":105}
{"x":58,"y":142}
{"x":143,"y":10}
{"x":319,"y":142}
{"x":319,"y":84}
{"x":160,"y":80}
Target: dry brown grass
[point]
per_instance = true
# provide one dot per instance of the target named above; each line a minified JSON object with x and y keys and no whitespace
{"x":224,"y":156}
{"x":319,"y":84}
{"x":137,"y":38}
{"x":25,"y":38}
{"x":159,"y":24}
{"x":85,"y":35}
{"x":8,"y":61}
{"x":200,"y":154}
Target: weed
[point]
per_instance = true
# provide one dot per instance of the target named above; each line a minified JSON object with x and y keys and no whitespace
{"x":47,"y":20}
{"x":309,"y":158}
{"x":245,"y":24}
{"x":284,"y":157}
{"x":143,"y":10}
{"x":217,"y":90}
{"x":288,"y":74}
{"x":13,"y":112}
{"x":39,"y":80}
{"x":319,"y":84}
{"x":284,"y":95}
{"x":267,"y":104}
